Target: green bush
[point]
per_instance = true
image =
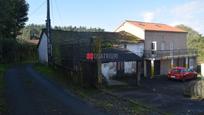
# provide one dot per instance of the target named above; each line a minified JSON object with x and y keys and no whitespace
{"x":8,"y":50}
{"x":13,"y":52}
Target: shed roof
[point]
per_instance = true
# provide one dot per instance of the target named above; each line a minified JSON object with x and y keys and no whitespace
{"x":118,"y":55}
{"x":78,"y":45}
{"x":84,"y":37}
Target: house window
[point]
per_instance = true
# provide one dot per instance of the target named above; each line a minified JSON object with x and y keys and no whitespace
{"x":154,"y":47}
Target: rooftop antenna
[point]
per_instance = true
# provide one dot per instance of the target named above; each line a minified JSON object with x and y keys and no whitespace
{"x":48,"y":28}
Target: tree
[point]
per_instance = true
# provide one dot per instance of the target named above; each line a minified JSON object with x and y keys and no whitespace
{"x":192,"y":37}
{"x":13,"y":15}
{"x":194,"y":41}
{"x":33,"y":31}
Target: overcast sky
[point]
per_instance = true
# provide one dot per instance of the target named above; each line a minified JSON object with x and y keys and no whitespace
{"x":109,"y":14}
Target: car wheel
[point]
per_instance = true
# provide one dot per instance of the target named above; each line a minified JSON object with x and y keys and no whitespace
{"x":183,"y":80}
{"x":195,"y":77}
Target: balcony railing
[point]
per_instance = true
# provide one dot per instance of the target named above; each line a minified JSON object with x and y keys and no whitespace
{"x":165,"y":54}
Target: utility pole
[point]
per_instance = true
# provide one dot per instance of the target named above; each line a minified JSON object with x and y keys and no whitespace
{"x":48,"y":28}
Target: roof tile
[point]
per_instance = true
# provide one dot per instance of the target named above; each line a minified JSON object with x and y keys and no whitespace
{"x":155,"y":26}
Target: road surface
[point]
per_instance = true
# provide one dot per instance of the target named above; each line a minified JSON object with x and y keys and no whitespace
{"x":30,"y":93}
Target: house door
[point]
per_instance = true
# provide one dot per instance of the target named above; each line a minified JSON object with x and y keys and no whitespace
{"x":120,"y":69}
{"x":157,"y":67}
{"x":148,"y":68}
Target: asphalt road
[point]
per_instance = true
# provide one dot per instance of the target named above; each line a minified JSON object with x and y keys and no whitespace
{"x":30,"y":93}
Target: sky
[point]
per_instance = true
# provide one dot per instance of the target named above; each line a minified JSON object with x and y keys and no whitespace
{"x":109,"y":14}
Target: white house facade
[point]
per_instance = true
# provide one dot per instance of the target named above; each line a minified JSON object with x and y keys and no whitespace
{"x":164,"y":46}
{"x":134,"y":30}
{"x":136,"y":48}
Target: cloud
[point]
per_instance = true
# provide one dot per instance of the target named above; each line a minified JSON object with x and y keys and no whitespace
{"x":189,"y":8}
{"x":148,"y":16}
{"x":190,"y":14}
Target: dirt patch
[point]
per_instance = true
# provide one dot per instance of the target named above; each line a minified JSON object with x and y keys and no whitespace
{"x":117,"y":106}
{"x":164,"y":95}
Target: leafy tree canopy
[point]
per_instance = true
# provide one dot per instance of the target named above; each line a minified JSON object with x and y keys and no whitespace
{"x":195,"y":40}
{"x":13,"y":15}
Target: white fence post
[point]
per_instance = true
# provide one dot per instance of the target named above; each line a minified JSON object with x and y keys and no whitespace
{"x":202,"y":69}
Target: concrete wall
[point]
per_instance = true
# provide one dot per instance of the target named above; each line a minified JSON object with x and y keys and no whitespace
{"x":108,"y":70}
{"x":137,"y":48}
{"x":130,"y":67}
{"x":165,"y":40}
{"x":165,"y":66}
{"x":42,"y":50}
{"x":127,"y":27}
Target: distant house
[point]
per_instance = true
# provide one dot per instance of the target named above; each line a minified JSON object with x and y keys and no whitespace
{"x":164,"y":46}
{"x":70,"y":49}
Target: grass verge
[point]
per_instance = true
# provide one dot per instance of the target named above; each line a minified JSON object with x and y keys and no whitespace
{"x":99,"y":98}
{"x":3,"y":68}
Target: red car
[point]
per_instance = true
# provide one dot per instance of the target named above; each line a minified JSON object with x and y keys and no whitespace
{"x":181,"y":73}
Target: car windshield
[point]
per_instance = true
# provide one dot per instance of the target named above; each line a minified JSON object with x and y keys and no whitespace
{"x":190,"y":70}
{"x":179,"y":70}
{"x":183,"y":70}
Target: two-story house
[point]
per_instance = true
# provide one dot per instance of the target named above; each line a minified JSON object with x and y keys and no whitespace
{"x":164,"y":46}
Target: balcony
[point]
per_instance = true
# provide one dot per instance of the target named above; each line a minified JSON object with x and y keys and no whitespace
{"x":168,"y":54}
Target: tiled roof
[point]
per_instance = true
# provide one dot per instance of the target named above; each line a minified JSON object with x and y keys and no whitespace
{"x":155,"y":26}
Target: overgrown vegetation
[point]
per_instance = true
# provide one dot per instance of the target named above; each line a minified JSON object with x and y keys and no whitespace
{"x":3,"y":68}
{"x":13,"y":15}
{"x":12,"y":51}
{"x":194,"y":41}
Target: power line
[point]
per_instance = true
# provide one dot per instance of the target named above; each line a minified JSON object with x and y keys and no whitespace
{"x":58,"y":12}
{"x":38,"y":8}
{"x":52,"y":13}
